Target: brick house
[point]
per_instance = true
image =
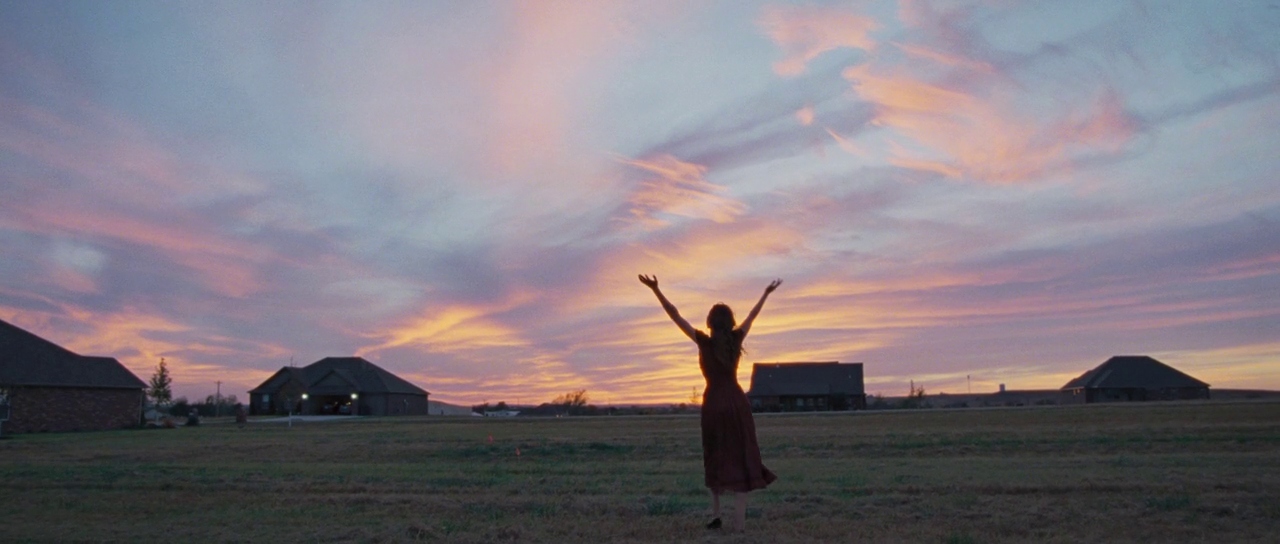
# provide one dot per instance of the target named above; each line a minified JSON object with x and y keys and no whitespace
{"x":804,"y":387}
{"x":338,"y":386}
{"x":48,"y":388}
{"x":1126,"y":378}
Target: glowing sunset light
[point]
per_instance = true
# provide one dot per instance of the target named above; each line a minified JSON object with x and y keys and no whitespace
{"x":453,"y":329}
{"x":955,"y":193}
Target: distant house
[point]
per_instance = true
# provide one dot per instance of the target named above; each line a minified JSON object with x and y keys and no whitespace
{"x":785,"y":387}
{"x":1133,"y":378}
{"x":45,"y":387}
{"x":338,"y":386}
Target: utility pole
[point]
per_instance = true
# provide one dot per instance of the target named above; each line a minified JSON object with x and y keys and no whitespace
{"x":969,"y":382}
{"x":217,"y":401}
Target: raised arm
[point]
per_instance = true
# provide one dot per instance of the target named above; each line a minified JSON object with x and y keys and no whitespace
{"x":751,"y":317}
{"x":672,"y":312}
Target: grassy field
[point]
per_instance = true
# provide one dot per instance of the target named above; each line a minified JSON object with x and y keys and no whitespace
{"x":1182,"y":472}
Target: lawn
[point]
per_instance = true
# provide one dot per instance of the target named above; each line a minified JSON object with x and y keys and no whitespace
{"x":1169,"y":472}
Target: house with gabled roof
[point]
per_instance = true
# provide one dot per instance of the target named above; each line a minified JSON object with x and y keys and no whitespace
{"x":45,"y":387}
{"x":786,"y":387}
{"x":338,"y":386}
{"x":1126,"y":378}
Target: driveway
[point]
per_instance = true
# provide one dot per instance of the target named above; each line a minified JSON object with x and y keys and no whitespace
{"x":308,"y":419}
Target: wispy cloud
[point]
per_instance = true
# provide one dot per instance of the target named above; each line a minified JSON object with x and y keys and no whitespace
{"x":676,"y":188}
{"x":465,"y":193}
{"x":804,"y":33}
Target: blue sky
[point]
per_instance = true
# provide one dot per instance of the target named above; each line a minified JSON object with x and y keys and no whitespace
{"x":464,"y":192}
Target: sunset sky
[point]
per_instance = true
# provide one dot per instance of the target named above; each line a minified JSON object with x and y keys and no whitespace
{"x":465,"y":192}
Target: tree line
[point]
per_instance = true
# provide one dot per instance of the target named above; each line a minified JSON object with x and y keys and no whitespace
{"x":160,"y":392}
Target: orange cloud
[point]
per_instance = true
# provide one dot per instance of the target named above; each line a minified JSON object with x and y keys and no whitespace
{"x":804,"y":33}
{"x":982,"y":137}
{"x":943,"y":58}
{"x":963,"y":116}
{"x":139,"y":339}
{"x":680,"y":189}
{"x":451,"y":329}
{"x":897,"y":94}
{"x":530,"y":379}
{"x":707,"y":255}
{"x":805,"y":115}
{"x":1250,"y":366}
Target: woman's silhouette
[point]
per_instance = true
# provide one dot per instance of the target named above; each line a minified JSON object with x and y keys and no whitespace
{"x":730,"y":452}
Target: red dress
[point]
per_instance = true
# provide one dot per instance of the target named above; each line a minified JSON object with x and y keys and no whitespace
{"x":730,"y":452}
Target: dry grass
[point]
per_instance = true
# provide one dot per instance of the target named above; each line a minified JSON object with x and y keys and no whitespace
{"x":1168,"y":472}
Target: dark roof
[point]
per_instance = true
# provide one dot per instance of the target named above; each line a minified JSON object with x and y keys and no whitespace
{"x":340,"y":375}
{"x":280,"y":378}
{"x":27,"y":359}
{"x":806,"y":379}
{"x":1133,"y":371}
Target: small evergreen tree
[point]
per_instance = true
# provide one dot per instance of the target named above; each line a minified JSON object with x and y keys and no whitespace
{"x":159,"y":389}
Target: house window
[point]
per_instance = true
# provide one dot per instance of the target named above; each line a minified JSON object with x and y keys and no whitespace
{"x":266,"y":400}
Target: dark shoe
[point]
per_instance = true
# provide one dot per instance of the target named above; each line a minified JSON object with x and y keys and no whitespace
{"x":715,"y":524}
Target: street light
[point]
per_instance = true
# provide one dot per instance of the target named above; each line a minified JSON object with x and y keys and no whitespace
{"x":353,"y":403}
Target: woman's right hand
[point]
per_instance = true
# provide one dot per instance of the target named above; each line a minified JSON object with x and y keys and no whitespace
{"x":650,"y":281}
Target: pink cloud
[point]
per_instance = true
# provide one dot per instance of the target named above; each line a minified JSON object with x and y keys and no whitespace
{"x":227,"y":267}
{"x":944,"y":58}
{"x":95,"y":146}
{"x":140,"y":338}
{"x":983,"y":136}
{"x":508,"y":107}
{"x":804,"y":33}
{"x":96,"y":176}
{"x":1252,"y":267}
{"x":942,"y":108}
{"x":805,"y":115}
{"x":847,"y":145}
{"x":679,"y":188}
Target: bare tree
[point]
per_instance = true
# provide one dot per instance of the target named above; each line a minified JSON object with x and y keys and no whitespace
{"x":572,"y":399}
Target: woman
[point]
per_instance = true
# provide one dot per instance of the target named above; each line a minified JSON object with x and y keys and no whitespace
{"x":730,"y":453}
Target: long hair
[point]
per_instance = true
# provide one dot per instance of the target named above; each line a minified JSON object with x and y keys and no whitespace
{"x":727,"y":346}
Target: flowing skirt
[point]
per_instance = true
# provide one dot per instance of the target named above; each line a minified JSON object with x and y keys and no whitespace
{"x":730,"y":452}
